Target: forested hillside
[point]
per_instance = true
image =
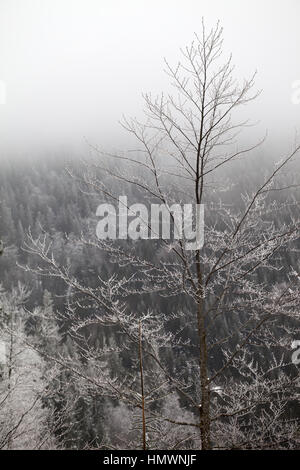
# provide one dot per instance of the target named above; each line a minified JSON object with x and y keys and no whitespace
{"x":43,"y":199}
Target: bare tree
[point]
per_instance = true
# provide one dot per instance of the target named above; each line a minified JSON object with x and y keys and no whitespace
{"x":229,"y":291}
{"x":25,"y":420}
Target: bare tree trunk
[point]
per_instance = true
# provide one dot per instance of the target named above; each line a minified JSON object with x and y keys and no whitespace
{"x":10,"y":365}
{"x":204,"y":407}
{"x":142,"y":386}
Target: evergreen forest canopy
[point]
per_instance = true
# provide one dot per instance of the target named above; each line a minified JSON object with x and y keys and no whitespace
{"x":50,"y":201}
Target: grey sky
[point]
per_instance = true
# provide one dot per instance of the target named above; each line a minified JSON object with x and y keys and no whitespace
{"x":72,"y":67}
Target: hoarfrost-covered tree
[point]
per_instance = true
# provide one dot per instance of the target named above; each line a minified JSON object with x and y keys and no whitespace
{"x":25,"y":421}
{"x":221,"y":355}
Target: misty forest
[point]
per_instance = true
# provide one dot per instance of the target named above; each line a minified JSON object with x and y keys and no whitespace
{"x":140,"y":342}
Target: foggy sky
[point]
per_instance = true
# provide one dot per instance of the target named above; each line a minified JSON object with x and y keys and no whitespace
{"x":72,"y":67}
